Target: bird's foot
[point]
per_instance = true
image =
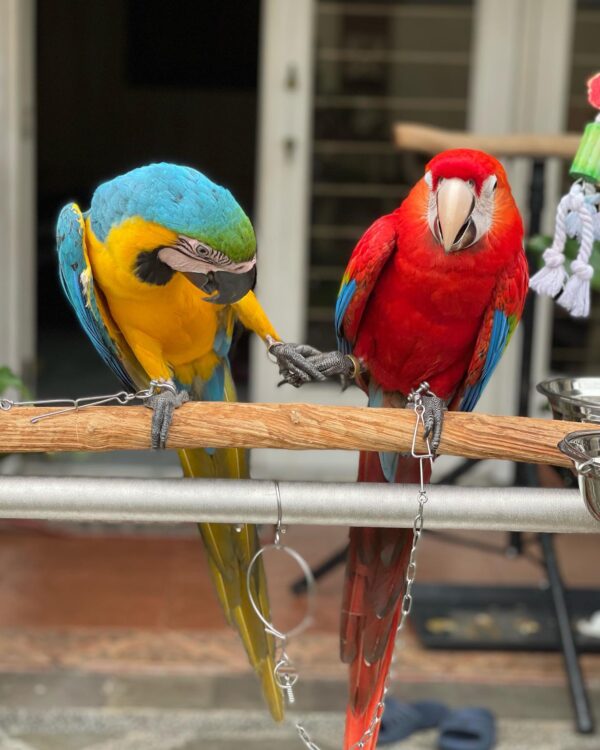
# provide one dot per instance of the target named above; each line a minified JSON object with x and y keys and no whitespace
{"x":301,"y":363}
{"x":336,"y":364}
{"x":433,"y":408}
{"x":294,"y":362}
{"x":163,"y":403}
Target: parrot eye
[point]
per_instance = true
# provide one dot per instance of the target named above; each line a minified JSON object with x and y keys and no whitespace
{"x":198,"y":250}
{"x":489,"y":186}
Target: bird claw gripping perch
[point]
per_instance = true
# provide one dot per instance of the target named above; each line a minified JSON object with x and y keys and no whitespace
{"x":577,"y":216}
{"x":433,"y":413}
{"x":163,"y":402}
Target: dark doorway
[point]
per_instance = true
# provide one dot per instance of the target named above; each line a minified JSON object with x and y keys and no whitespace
{"x":121,"y":83}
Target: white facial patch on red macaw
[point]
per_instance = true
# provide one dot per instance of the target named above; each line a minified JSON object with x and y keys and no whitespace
{"x":481,"y":215}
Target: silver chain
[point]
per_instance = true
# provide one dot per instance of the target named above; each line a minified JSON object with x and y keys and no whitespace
{"x":83,"y":402}
{"x":416,"y":398}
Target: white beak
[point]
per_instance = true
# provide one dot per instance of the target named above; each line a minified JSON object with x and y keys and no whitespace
{"x":455,"y":202}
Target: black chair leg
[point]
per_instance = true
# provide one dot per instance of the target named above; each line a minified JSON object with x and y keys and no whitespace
{"x":584,"y":720}
{"x":338,"y":558}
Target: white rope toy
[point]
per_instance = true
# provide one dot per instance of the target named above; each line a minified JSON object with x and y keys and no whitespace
{"x":577,"y":217}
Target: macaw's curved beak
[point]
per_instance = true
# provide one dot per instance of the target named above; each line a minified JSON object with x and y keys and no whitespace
{"x":225,"y":287}
{"x":455,"y":204}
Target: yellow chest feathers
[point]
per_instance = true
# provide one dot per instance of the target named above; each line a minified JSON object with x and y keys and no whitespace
{"x":173,"y":314}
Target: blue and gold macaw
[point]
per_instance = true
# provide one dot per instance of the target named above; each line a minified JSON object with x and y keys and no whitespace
{"x":158,"y":271}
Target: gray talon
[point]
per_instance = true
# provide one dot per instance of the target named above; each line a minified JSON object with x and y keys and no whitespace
{"x":433,"y":417}
{"x":163,"y":405}
{"x":334,"y":363}
{"x":294,"y":363}
{"x":301,"y":363}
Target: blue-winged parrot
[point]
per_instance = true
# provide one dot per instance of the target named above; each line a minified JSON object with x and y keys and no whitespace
{"x":158,"y":271}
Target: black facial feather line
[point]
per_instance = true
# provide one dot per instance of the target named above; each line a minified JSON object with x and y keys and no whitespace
{"x":150,"y":269}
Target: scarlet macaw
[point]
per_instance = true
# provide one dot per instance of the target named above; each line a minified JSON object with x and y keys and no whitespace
{"x":158,"y":271}
{"x":432,"y":293}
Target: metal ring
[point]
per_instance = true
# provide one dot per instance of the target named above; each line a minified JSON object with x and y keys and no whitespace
{"x":163,"y":385}
{"x":310,"y":591}
{"x":271,"y":342}
{"x":585,"y":467}
{"x":356,"y":366}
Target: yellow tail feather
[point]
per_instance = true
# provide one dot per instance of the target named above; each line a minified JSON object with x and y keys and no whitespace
{"x":229,"y":553}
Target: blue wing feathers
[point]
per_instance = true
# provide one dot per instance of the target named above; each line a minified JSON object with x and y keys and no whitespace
{"x":222,"y":342}
{"x":387,"y":459}
{"x":346,"y":293}
{"x":214,"y":388}
{"x":498,"y":341}
{"x":72,"y":263}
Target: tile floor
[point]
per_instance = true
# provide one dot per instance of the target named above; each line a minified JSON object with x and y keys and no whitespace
{"x":116,"y":641}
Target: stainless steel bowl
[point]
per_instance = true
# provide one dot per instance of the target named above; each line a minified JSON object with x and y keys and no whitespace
{"x":573,"y":399}
{"x":583,"y":448}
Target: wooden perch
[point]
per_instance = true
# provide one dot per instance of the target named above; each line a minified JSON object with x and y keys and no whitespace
{"x":429,"y":140}
{"x":290,"y":426}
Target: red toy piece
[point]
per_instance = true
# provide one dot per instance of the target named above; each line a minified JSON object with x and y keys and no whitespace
{"x":593,"y":86}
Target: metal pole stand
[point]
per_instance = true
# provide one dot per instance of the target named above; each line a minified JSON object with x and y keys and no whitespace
{"x":581,"y":702}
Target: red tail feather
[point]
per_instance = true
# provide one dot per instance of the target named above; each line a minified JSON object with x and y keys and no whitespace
{"x":373,"y":590}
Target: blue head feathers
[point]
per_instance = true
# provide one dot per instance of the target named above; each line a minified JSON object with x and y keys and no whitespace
{"x":179,"y":198}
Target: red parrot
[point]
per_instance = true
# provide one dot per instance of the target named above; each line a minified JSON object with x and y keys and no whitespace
{"x":432,"y":292}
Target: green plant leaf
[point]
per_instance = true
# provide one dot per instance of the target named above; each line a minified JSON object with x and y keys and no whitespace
{"x":9,"y":380}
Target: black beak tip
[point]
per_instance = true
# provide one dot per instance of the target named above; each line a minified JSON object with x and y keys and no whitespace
{"x":226,"y":287}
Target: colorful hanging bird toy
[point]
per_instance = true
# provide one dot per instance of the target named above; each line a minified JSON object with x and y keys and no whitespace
{"x":577,"y":217}
{"x":158,"y":271}
{"x":432,"y":293}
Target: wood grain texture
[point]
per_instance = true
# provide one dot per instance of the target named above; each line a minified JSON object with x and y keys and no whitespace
{"x":429,"y":140}
{"x":289,"y":426}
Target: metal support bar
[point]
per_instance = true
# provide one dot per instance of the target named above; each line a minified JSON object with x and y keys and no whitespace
{"x":254,"y":501}
{"x":581,"y":702}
